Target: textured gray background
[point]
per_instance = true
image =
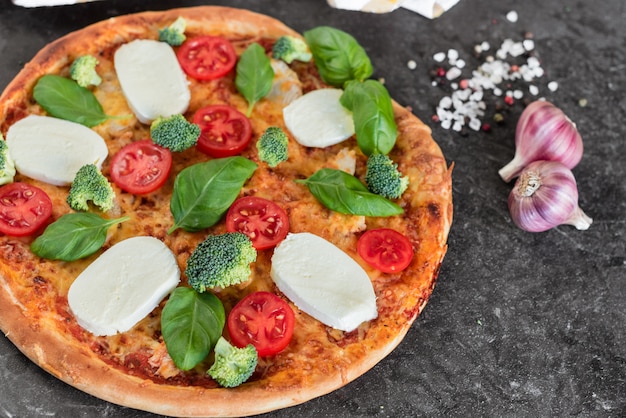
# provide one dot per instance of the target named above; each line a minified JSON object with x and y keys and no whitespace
{"x":520,"y":324}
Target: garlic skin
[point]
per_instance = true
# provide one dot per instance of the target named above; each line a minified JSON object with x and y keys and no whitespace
{"x":544,"y":196}
{"x":543,"y":132}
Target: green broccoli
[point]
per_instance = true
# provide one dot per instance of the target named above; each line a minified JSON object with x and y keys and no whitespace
{"x":289,"y":48}
{"x":83,"y":71}
{"x":220,"y":261}
{"x":7,"y":165}
{"x":383,"y":178}
{"x":174,"y":34}
{"x":272,"y":146}
{"x":174,"y":132}
{"x":90,"y":185}
{"x":233,"y":365}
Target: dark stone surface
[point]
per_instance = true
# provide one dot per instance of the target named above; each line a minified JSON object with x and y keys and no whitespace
{"x":519,"y":324}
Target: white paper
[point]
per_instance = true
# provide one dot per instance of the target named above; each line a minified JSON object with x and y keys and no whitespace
{"x":41,"y":3}
{"x":427,"y":8}
{"x":372,"y":6}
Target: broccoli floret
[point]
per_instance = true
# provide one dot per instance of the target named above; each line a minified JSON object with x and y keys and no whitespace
{"x":174,"y":34}
{"x":272,"y":146}
{"x":289,"y":48}
{"x":90,"y":185}
{"x":83,"y":71}
{"x":174,"y":132}
{"x":383,"y":178}
{"x":233,"y":365}
{"x":7,"y":165}
{"x":220,"y":261}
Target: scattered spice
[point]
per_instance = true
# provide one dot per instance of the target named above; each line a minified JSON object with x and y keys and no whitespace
{"x":504,"y":76}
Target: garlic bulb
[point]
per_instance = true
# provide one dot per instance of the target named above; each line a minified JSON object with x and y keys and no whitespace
{"x":544,"y":132}
{"x":544,"y":196}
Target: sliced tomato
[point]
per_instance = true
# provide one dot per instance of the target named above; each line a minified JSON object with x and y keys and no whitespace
{"x":141,"y":167}
{"x":262,"y":220}
{"x":264,"y":320}
{"x":207,"y":57}
{"x":385,"y":249}
{"x":24,"y":209}
{"x":225,"y":131}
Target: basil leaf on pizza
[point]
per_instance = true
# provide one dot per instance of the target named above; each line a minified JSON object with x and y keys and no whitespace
{"x":73,"y":236}
{"x":191,"y":324}
{"x":338,"y":56}
{"x":254,"y":75}
{"x":63,"y":98}
{"x":372,"y":112}
{"x":203,"y":192}
{"x":344,"y":193}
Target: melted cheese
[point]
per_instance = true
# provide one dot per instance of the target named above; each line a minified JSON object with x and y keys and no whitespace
{"x":323,"y":281}
{"x":52,"y":150}
{"x":123,"y":285}
{"x":318,"y":119}
{"x":152,"y":80}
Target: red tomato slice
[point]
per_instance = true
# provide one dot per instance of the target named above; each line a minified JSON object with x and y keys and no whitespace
{"x":225,"y":130}
{"x":207,"y":57}
{"x":263,"y":320}
{"x":141,"y":167}
{"x":24,"y":208}
{"x":385,"y":249}
{"x":262,"y":220}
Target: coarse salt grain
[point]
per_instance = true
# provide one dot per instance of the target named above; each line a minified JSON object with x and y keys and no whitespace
{"x":439,"y":56}
{"x":512,"y":16}
{"x":411,"y":64}
{"x":453,"y":73}
{"x":475,"y":124}
{"x":445,"y":102}
{"x":453,"y":54}
{"x":553,"y":86}
{"x":528,"y":44}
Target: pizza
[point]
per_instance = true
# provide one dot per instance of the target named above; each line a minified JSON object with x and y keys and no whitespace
{"x":347,"y":270}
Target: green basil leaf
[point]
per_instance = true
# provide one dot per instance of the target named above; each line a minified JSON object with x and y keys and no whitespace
{"x":344,"y":193}
{"x":254,"y":75}
{"x":191,"y":324}
{"x":203,"y":192}
{"x":372,"y":112}
{"x":338,"y":56}
{"x":63,"y":98}
{"x":73,"y":236}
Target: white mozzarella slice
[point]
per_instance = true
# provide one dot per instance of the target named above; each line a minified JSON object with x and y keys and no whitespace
{"x":323,"y":281}
{"x":151,"y":78}
{"x":123,"y":285}
{"x":286,"y":86}
{"x":317,"y":119}
{"x":52,"y":150}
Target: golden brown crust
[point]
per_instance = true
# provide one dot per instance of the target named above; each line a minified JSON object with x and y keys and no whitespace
{"x":35,"y":316}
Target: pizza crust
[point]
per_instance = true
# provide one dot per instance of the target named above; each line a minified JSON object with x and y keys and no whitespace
{"x":428,"y":204}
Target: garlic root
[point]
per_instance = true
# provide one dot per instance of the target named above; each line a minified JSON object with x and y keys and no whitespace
{"x":579,"y":219}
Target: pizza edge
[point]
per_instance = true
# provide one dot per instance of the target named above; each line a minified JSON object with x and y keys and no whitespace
{"x":74,"y":364}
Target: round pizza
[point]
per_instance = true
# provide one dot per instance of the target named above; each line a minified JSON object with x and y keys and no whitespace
{"x":205,"y":213}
